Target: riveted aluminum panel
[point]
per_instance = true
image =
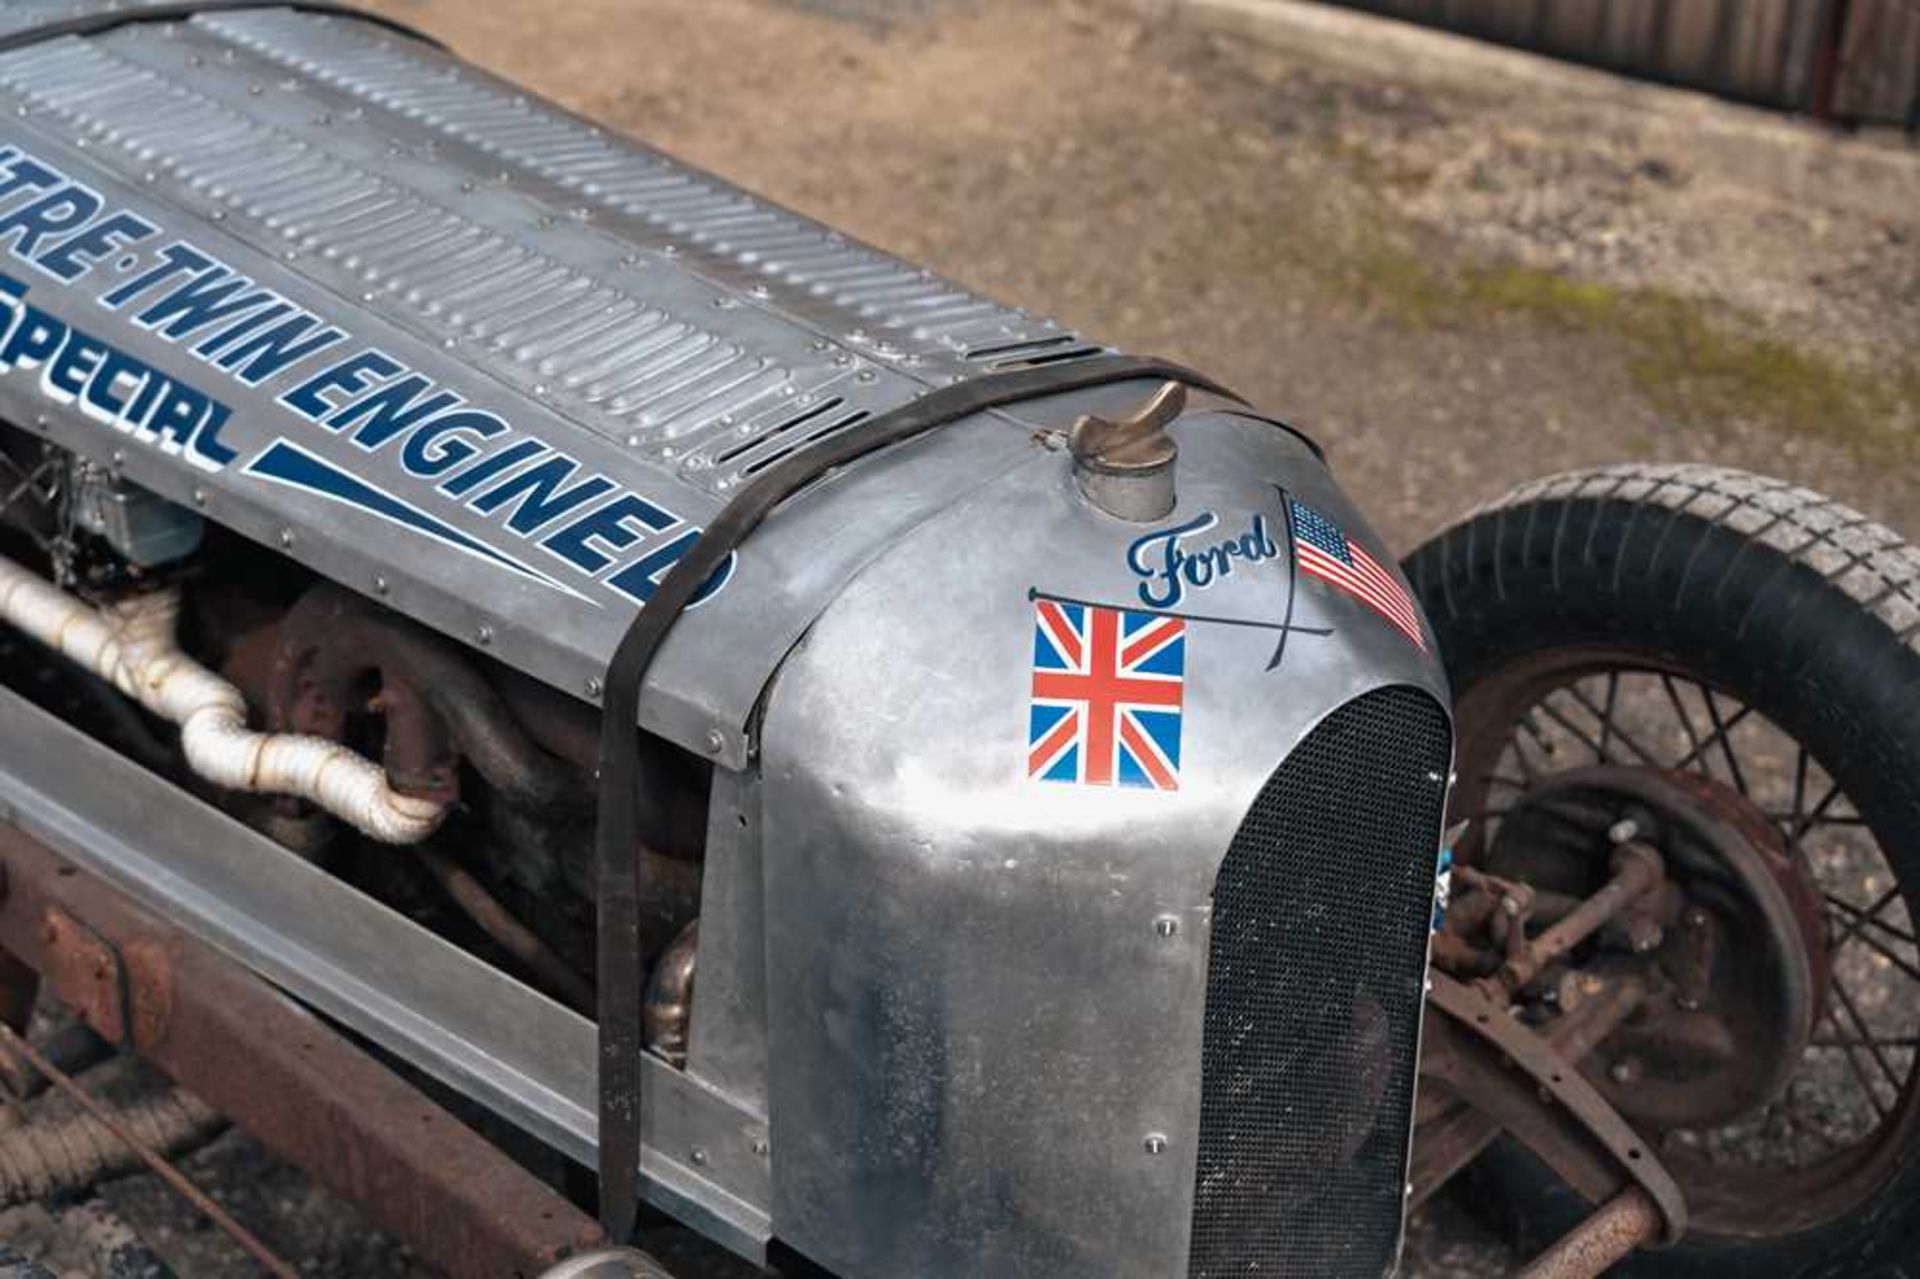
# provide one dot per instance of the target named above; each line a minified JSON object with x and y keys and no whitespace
{"x":627,"y":329}
{"x":899,"y":312}
{"x":986,"y":988}
{"x":459,"y":1019}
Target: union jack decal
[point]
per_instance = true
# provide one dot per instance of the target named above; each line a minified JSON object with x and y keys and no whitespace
{"x":1107,"y":691}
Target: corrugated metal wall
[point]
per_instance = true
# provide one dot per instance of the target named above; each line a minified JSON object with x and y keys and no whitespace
{"x":1843,"y":59}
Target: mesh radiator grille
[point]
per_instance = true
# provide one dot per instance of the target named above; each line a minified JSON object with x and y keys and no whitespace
{"x":1315,"y":977}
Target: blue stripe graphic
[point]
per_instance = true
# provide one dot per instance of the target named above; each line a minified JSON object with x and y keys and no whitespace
{"x":286,"y":463}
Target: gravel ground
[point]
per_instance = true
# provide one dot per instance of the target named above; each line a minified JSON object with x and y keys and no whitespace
{"x":1458,"y":269}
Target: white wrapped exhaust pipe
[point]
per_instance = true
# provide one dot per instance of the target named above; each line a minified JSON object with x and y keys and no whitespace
{"x":135,"y":647}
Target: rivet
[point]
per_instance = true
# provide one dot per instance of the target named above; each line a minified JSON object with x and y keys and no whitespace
{"x":1166,"y":925}
{"x":199,"y":497}
{"x":380,"y":584}
{"x":484,"y":635}
{"x":286,"y":537}
{"x":715,"y":742}
{"x":593,"y":688}
{"x":698,"y":1156}
{"x":1156,"y":1143}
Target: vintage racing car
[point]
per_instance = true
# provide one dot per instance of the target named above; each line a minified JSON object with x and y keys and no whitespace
{"x":880,"y":779}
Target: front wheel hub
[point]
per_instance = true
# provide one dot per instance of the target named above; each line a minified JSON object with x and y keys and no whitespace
{"x":1735,"y":943}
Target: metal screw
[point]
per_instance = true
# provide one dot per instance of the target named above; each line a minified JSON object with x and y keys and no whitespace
{"x":1166,"y":925}
{"x":593,"y":688}
{"x":199,"y":497}
{"x":698,"y":1156}
{"x":484,"y":635}
{"x":1623,"y":831}
{"x":715,"y":742}
{"x":379,"y":584}
{"x":286,"y":537}
{"x":1156,"y":1143}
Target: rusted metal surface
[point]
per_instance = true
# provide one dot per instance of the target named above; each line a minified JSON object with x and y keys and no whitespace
{"x":161,"y":1167}
{"x":1637,"y":870}
{"x":1624,"y":1223}
{"x":1555,"y":1111}
{"x":305,"y":1093}
{"x":87,"y":973}
{"x":1451,"y":1132}
{"x":485,"y":910}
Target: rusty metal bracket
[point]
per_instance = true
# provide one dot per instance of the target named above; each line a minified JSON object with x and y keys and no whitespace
{"x":1451,"y":1132}
{"x":86,"y":969}
{"x":1576,"y":1132}
{"x":305,"y":1093}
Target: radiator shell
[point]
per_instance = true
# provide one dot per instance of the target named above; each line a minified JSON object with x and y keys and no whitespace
{"x":987,"y":992}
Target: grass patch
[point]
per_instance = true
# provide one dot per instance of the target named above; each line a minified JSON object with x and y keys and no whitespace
{"x":1694,"y":362}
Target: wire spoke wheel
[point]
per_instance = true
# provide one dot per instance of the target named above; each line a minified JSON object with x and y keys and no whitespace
{"x":1821,"y":1143}
{"x":1737,"y":662}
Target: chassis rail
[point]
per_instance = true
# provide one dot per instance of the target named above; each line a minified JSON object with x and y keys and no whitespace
{"x":306,"y":1093}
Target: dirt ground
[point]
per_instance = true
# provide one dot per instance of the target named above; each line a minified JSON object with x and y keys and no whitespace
{"x":1455,"y":271}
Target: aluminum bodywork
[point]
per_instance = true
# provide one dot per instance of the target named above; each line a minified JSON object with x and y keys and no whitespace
{"x":464,"y":353}
{"x":985,"y":990}
{"x":661,"y":331}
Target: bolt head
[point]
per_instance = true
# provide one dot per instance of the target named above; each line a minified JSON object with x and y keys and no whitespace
{"x":715,"y":742}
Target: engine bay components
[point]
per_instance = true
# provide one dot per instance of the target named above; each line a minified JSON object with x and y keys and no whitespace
{"x":135,"y":650}
{"x":144,"y":529}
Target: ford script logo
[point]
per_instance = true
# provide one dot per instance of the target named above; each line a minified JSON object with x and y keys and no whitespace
{"x":1172,"y":561}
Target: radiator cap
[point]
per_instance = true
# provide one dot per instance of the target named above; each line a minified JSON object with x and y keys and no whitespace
{"x":1125,"y":467}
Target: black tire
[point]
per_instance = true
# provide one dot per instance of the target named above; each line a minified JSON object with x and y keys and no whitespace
{"x":1808,"y":611}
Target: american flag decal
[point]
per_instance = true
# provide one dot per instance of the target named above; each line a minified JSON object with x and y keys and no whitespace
{"x":1326,"y":553}
{"x":1107,"y":691}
